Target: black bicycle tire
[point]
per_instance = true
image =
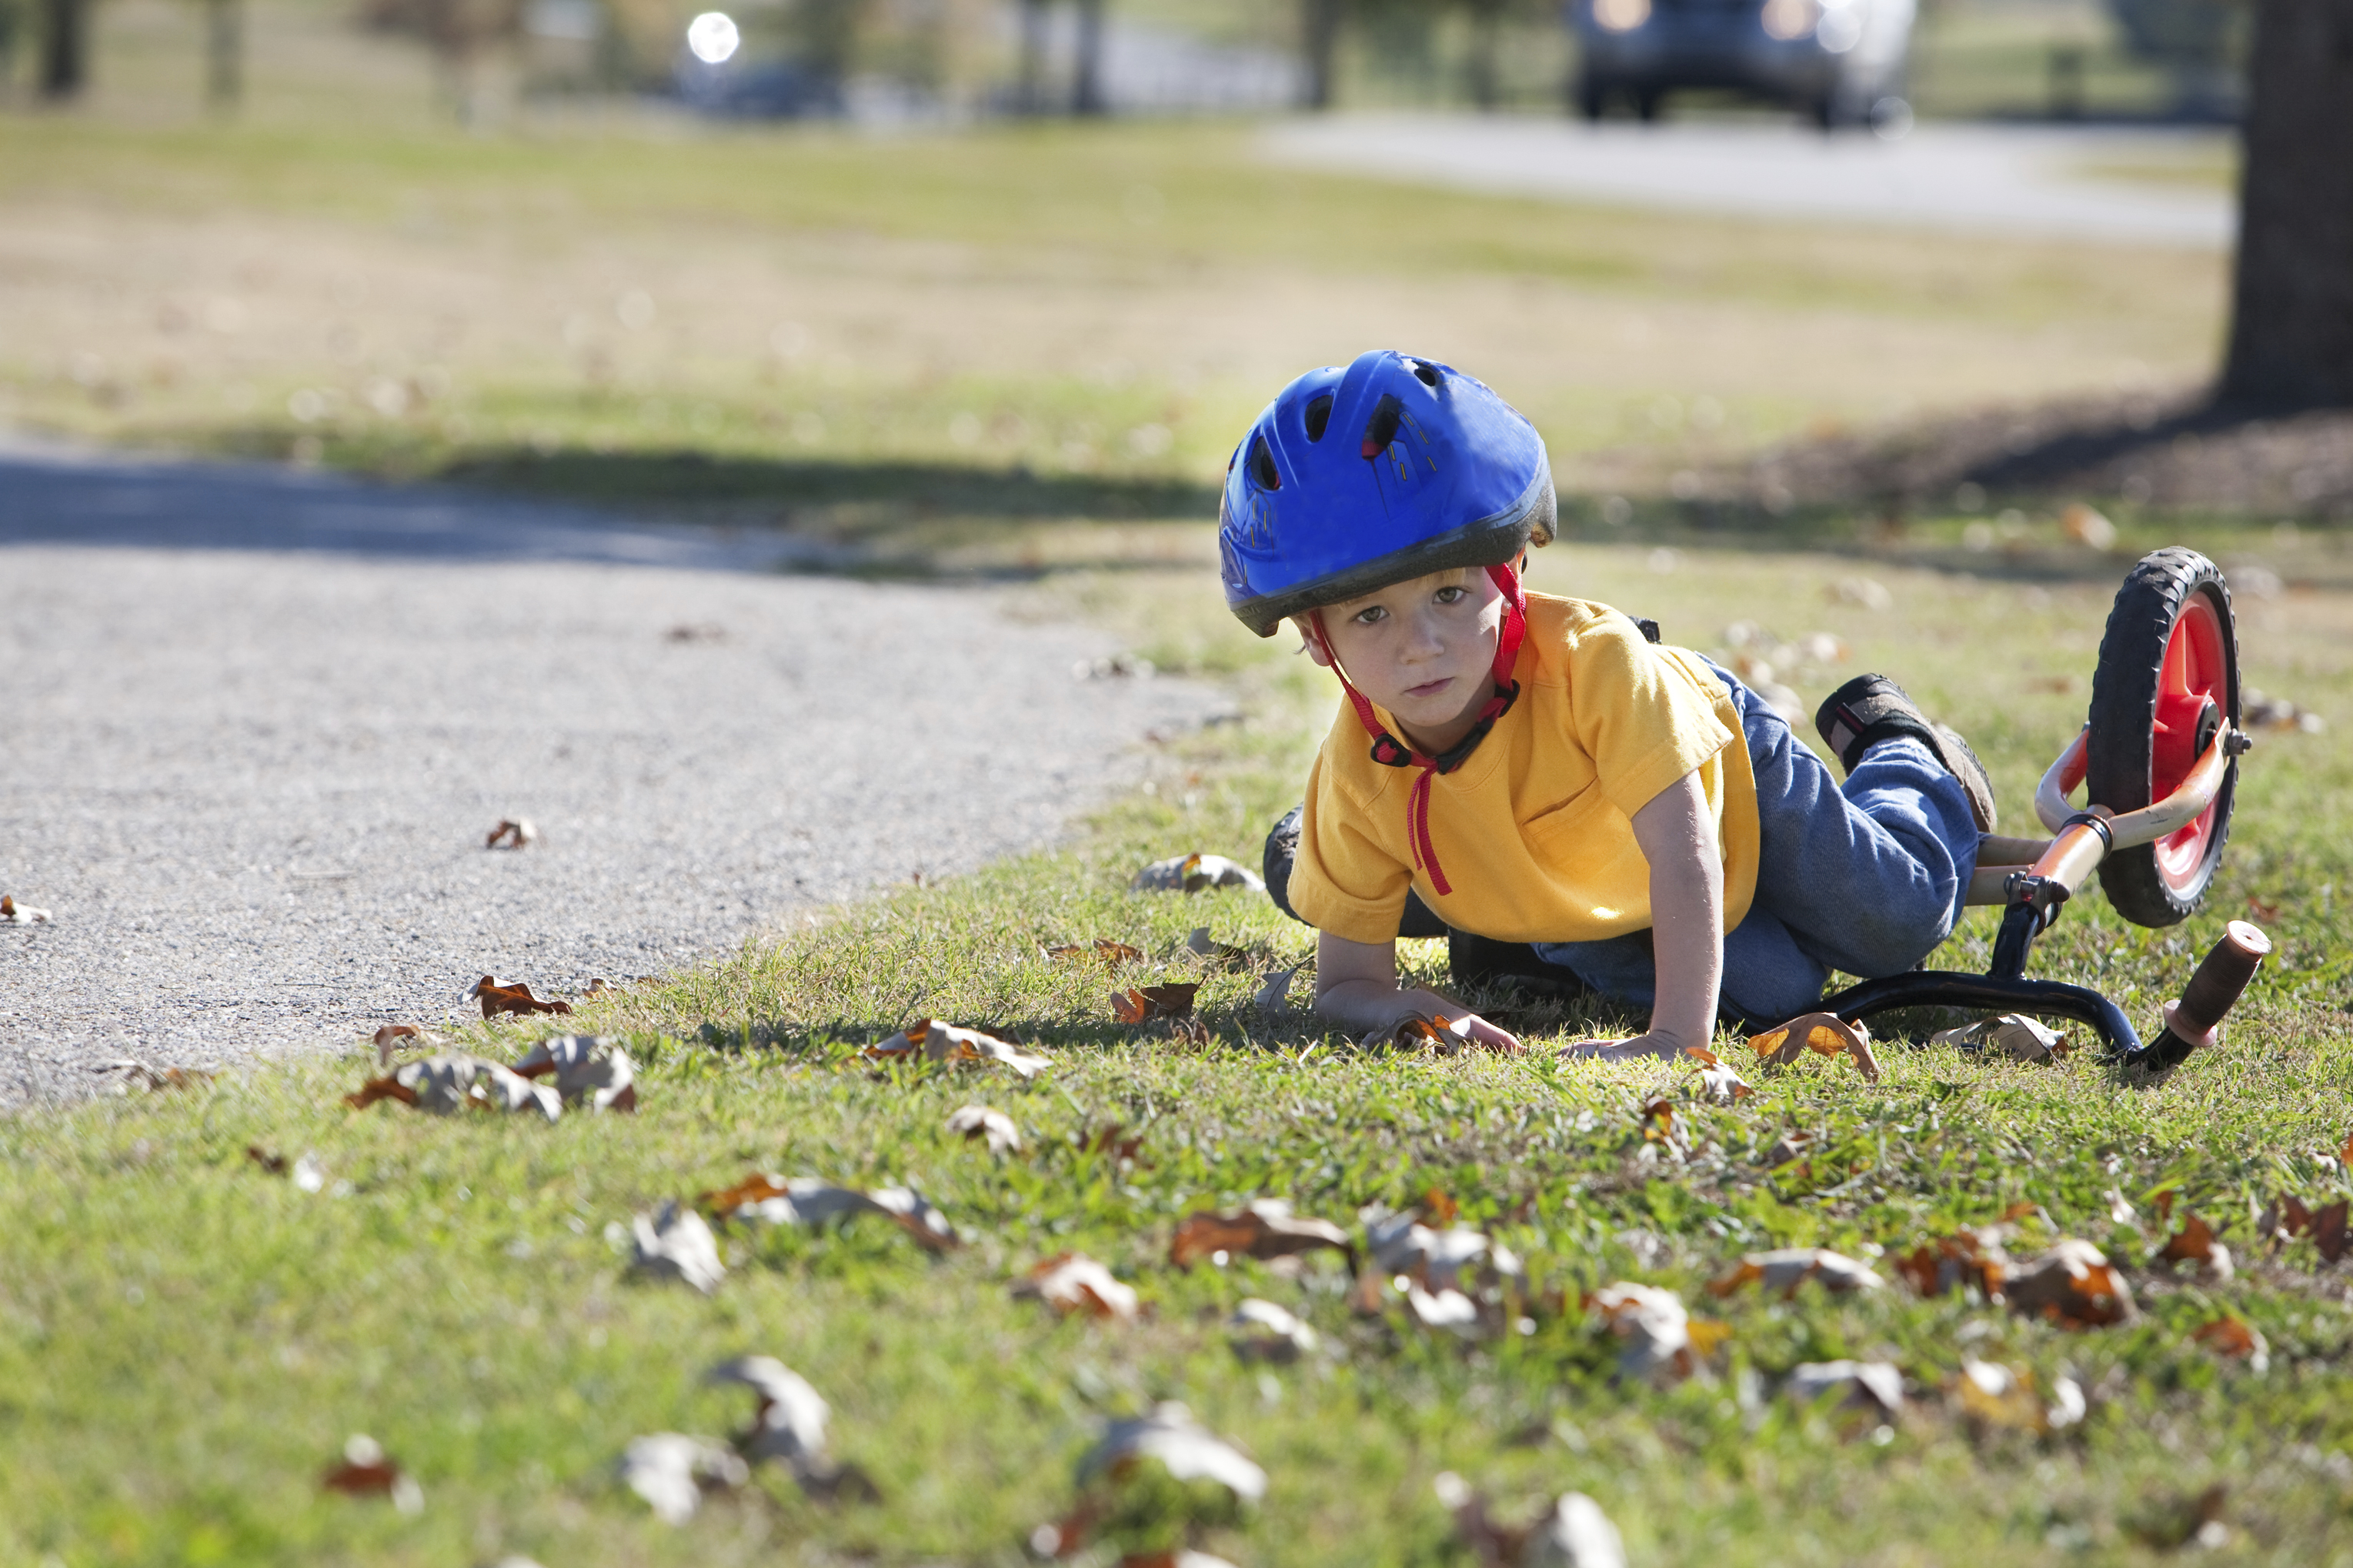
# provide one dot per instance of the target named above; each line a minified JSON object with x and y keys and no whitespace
{"x":2122,"y":722}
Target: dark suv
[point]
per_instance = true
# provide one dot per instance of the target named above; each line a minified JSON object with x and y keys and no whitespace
{"x":1841,"y":61}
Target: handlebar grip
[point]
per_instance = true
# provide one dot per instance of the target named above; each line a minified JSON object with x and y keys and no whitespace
{"x":2221,"y":978}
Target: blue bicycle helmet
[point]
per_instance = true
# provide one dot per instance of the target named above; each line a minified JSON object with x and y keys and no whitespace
{"x":1351,"y":480}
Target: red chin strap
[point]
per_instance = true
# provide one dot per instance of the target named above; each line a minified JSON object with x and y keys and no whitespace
{"x":1390,"y":752}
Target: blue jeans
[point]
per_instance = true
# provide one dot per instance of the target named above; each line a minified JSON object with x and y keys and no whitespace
{"x":1868,"y":878}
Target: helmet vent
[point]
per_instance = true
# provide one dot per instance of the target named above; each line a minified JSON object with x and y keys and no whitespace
{"x":1381,"y":428}
{"x":1318,"y":416}
{"x":1262,"y":465}
{"x":1425,"y":373}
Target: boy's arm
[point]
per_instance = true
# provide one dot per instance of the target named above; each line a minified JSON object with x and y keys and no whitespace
{"x":1676,"y":833}
{"x":1356,"y":986}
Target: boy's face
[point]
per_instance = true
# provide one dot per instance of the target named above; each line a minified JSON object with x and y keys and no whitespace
{"x":1424,"y":649}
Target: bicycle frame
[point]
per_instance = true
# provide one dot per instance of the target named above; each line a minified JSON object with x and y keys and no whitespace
{"x":2031,"y":879}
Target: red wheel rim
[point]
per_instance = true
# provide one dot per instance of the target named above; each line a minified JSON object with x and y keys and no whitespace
{"x":2196,"y":671}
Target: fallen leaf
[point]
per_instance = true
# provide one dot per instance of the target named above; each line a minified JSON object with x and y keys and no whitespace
{"x":1073,"y":1282}
{"x":1654,"y":1326}
{"x":451,"y":1081}
{"x":1789,"y":1146}
{"x":269,"y":1159}
{"x":592,"y":1067}
{"x":672,"y":1472}
{"x":2259,"y":911}
{"x":1274,"y":993}
{"x":366,"y":1470}
{"x":2179,"y":1522}
{"x":1182,"y":1445}
{"x":2120,"y":1212}
{"x":1447,"y":1036}
{"x":2086,"y":526}
{"x":938,"y":1042}
{"x":1574,"y":1533}
{"x":1191,"y":873}
{"x":1437,"y":1209}
{"x":511,"y":834}
{"x":807,"y":1200}
{"x":1789,"y":1267}
{"x":1106,"y":1139}
{"x":139,"y":1078}
{"x":1993,"y":1398}
{"x":2014,"y":1035}
{"x":676,"y":1243}
{"x":1199,"y":941}
{"x":2195,"y":1242}
{"x":2073,"y":1285}
{"x":980,"y":1121}
{"x":13,"y":913}
{"x":1874,"y":1384}
{"x":1263,"y":1229}
{"x":1262,"y":1331}
{"x":1143,"y":1005}
{"x":600,"y":986}
{"x":2237,"y":1339}
{"x":2328,"y":1231}
{"x":789,"y":1427}
{"x":515,"y":998}
{"x":1111,"y":952}
{"x":1966,"y":1261}
{"x":1823,"y":1033}
{"x":395,"y":1038}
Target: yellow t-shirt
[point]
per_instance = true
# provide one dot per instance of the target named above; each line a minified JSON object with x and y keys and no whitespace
{"x":1534,"y":831}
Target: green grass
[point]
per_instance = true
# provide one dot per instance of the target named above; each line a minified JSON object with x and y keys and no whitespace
{"x":185,"y":1342}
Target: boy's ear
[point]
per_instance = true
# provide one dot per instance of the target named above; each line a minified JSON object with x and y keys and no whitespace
{"x":1307,"y":643}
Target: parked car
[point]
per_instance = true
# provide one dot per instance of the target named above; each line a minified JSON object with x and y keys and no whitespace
{"x":1839,"y":61}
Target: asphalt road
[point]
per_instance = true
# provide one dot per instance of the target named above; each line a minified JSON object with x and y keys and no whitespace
{"x":1998,"y":181}
{"x":255,"y":726}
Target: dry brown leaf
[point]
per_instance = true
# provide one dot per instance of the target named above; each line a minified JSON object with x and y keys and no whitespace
{"x":451,"y":1081}
{"x":515,"y":998}
{"x":2328,"y":1230}
{"x":389,"y":1037}
{"x":1994,"y":1398}
{"x":1073,"y":1282}
{"x":1654,"y":1327}
{"x":133,"y":1077}
{"x":672,"y":1471}
{"x":1789,"y":1146}
{"x":981,"y":1121}
{"x":511,"y":834}
{"x":377,"y":1089}
{"x":1114,"y":953}
{"x":807,"y":1200}
{"x":1446,"y":1035}
{"x":1786,"y":1269}
{"x":1575,"y":1533}
{"x":13,"y":913}
{"x":600,"y":986}
{"x":2195,"y":1242}
{"x":1966,"y":1261}
{"x":2236,"y":1339}
{"x":1274,"y":993}
{"x":1262,"y":1331}
{"x":1265,"y":1230}
{"x":938,"y":1042}
{"x":2071,"y":1285}
{"x":1106,"y":1139}
{"x":1143,"y":1004}
{"x":592,"y":1067}
{"x":270,"y":1160}
{"x":1199,"y":941}
{"x":2014,"y":1035}
{"x":675,"y":1243}
{"x":1192,"y":873}
{"x":1184,"y":1448}
{"x":1870,"y":1384}
{"x":1825,"y":1034}
{"x":366,"y":1470}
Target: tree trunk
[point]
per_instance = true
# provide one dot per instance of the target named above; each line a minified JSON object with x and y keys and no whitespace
{"x":1485,"y":64}
{"x":1319,"y":30}
{"x":1086,"y":81}
{"x":2291,"y":306}
{"x":65,"y":47}
{"x":224,"y":52}
{"x":1030,"y":84}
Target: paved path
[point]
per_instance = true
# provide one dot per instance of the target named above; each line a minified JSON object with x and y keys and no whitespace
{"x":254,"y":726}
{"x":2011,"y":182}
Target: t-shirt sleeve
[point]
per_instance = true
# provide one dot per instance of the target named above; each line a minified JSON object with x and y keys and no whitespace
{"x":1342,"y":880}
{"x":1639,"y":712}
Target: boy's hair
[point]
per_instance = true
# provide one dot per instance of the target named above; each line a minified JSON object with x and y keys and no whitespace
{"x":1352,"y":480}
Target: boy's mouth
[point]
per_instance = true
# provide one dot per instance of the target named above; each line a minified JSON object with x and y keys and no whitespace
{"x":1430,"y":688}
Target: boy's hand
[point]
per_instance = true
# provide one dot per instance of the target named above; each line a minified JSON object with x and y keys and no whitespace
{"x":1481,"y":1033}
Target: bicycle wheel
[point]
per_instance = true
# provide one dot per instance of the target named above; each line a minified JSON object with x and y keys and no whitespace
{"x":2168,"y":677}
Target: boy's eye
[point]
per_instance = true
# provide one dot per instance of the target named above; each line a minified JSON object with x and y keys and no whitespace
{"x":1450,"y":594}
{"x":1368,"y":615}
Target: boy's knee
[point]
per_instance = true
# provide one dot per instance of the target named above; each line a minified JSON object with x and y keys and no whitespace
{"x":1890,"y":935}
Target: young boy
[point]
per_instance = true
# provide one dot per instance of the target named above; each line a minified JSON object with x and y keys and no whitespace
{"x":1569,"y":800}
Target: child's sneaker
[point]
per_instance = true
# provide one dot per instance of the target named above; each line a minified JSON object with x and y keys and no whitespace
{"x":1872,"y":708}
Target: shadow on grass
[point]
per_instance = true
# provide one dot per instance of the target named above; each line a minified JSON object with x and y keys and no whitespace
{"x":909,"y":490}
